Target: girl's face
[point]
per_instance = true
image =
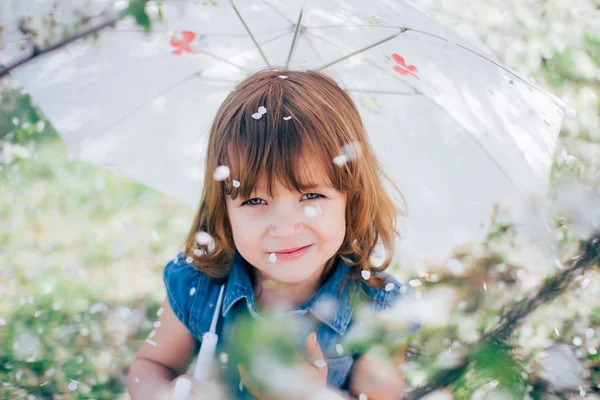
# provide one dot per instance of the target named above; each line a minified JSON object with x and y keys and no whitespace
{"x":313,"y":220}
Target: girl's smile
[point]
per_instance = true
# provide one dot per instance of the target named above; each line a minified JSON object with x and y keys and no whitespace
{"x":291,"y":254}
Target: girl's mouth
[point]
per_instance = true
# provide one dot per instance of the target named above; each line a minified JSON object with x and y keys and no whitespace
{"x":290,"y":255}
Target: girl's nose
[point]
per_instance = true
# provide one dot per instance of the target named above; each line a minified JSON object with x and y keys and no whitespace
{"x":286,"y":223}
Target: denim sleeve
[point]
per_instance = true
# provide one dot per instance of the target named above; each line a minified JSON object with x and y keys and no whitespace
{"x":181,"y":280}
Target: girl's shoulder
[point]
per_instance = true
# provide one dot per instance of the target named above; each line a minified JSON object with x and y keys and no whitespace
{"x":390,"y":295}
{"x":190,"y":293}
{"x":386,"y":296}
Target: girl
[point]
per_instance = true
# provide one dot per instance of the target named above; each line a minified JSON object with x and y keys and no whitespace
{"x":292,"y":207}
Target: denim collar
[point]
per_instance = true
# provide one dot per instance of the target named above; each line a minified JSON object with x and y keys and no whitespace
{"x":338,"y":318}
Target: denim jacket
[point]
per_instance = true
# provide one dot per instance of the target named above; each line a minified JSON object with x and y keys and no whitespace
{"x":193,"y":297}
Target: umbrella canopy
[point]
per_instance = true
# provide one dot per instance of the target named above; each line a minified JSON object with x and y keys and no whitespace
{"x":456,"y":131}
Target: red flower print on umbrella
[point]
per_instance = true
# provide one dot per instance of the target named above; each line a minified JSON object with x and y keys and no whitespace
{"x":404,"y":69}
{"x":184,"y":45}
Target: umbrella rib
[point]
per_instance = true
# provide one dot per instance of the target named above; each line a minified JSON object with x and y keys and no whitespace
{"x":382,"y":92}
{"x":360,"y":51}
{"x":278,"y":12}
{"x":500,"y":66}
{"x":250,"y":33}
{"x":356,"y":26}
{"x":433,"y":102}
{"x":314,"y":49}
{"x":287,"y":63}
{"x":370,"y":63}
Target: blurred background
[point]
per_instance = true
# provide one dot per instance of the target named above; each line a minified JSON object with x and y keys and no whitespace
{"x":82,"y":249}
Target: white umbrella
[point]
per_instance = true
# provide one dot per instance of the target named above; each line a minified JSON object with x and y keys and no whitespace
{"x":456,"y":130}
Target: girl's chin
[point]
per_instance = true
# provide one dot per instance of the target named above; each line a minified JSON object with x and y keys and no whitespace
{"x":295,"y":271}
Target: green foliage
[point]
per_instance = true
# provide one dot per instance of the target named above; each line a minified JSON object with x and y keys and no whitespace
{"x":493,"y":366}
{"x":20,"y":120}
{"x":137,"y":9}
{"x":55,"y":340}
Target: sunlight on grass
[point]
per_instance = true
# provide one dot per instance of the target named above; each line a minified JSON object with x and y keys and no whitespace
{"x":81,"y":273}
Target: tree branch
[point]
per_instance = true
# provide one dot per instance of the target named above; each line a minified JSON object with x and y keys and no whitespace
{"x":511,"y":320}
{"x":36,"y":52}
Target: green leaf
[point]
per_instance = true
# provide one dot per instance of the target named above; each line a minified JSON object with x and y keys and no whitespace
{"x":137,"y":9}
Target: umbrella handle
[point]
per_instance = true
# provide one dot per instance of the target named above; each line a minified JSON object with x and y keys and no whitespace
{"x":206,"y":356}
{"x":202,"y":370}
{"x":182,"y":389}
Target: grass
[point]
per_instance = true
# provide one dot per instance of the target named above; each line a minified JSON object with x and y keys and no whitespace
{"x":81,"y":258}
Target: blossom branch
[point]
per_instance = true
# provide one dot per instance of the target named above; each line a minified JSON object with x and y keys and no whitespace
{"x":512,"y":319}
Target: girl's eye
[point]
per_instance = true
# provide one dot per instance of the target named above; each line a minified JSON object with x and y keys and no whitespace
{"x":257,"y":201}
{"x":253,"y":202}
{"x":312,"y":196}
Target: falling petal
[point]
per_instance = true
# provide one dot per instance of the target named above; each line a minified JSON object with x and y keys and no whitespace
{"x":339,"y":349}
{"x":484,"y":286}
{"x":236,"y":184}
{"x":203,"y":238}
{"x":73,"y":385}
{"x":362,"y":396}
{"x":365,"y":274}
{"x":494,"y":383}
{"x":192,"y":291}
{"x":283,"y":76}
{"x":224,"y":357}
{"x":262,"y":110}
{"x":189,"y":260}
{"x":556,"y":331}
{"x":287,"y":118}
{"x":257,"y":115}
{"x":221,"y":172}
{"x":312,"y":211}
{"x":389,"y":287}
{"x":320,"y":363}
{"x":151,"y":342}
{"x":199,"y":252}
{"x":272,"y":257}
{"x":39,"y":127}
{"x":340,"y":160}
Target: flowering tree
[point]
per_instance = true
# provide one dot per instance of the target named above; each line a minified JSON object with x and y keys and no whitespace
{"x":516,"y":316}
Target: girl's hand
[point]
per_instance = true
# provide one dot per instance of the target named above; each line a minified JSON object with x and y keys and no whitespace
{"x":315,"y":369}
{"x":199,"y":391}
{"x":378,"y":377}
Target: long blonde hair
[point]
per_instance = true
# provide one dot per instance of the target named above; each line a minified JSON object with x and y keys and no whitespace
{"x":324,"y":120}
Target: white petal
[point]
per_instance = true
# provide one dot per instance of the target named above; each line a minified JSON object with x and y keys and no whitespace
{"x":203,"y":238}
{"x":272,"y":257}
{"x":221,"y":173}
{"x":365,"y":274}
{"x":340,"y":160}
{"x":262,"y":110}
{"x":257,"y":115}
